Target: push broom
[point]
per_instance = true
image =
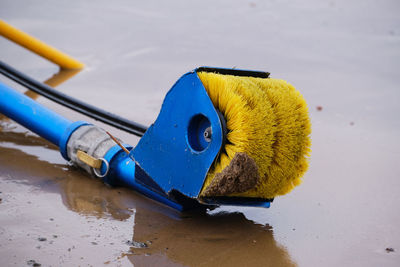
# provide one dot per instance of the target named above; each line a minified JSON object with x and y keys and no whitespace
{"x":222,"y":137}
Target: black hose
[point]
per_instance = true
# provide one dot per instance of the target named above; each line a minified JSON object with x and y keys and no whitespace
{"x":72,"y":103}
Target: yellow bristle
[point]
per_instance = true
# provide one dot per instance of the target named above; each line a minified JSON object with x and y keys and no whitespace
{"x":268,"y":120}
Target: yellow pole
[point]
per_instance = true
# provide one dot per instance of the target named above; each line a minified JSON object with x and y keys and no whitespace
{"x":38,"y":47}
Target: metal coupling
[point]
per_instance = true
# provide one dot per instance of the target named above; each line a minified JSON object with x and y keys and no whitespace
{"x":93,"y":141}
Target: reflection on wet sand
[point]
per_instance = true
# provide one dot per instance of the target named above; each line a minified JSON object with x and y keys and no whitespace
{"x":80,"y":193}
{"x":58,"y":78}
{"x":221,"y":239}
{"x":173,"y":239}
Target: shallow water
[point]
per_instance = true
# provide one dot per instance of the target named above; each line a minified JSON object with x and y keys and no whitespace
{"x":343,"y":56}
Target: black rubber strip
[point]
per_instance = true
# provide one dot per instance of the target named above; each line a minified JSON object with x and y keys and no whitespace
{"x":72,"y":103}
{"x":235,"y":72}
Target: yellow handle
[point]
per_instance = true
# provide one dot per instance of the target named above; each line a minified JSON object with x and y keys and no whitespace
{"x":38,"y":47}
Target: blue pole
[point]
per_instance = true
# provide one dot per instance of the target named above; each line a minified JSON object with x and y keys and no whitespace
{"x":32,"y":115}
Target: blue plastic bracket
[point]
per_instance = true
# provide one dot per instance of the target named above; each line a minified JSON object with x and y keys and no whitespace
{"x":173,"y":150}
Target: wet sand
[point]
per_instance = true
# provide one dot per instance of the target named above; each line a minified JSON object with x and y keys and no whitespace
{"x":343,"y":56}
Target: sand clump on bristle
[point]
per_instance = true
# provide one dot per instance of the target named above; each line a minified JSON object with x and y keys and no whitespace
{"x":267,"y":119}
{"x":239,"y":176}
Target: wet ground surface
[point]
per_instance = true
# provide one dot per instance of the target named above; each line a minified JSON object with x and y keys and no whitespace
{"x":343,"y":56}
